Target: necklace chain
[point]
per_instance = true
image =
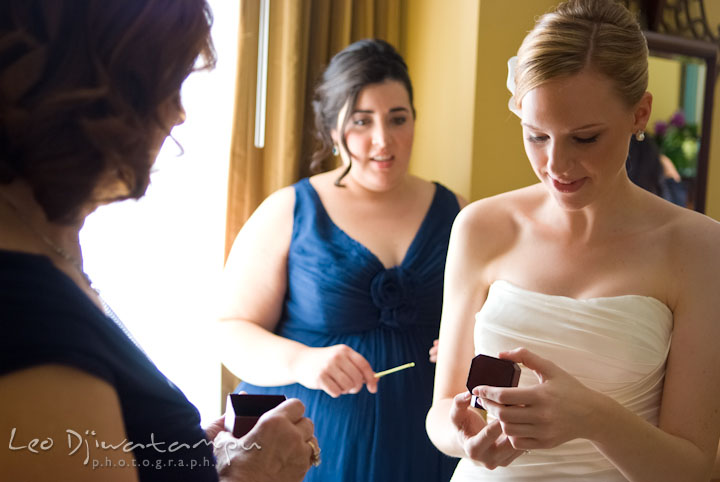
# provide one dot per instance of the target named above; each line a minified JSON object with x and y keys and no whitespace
{"x":74,"y":262}
{"x":57,"y":249}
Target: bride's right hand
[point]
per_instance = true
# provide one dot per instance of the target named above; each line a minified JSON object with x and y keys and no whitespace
{"x":482,"y":442}
{"x":337,"y":370}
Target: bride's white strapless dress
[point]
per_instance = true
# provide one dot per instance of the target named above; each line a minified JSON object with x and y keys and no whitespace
{"x":616,"y":345}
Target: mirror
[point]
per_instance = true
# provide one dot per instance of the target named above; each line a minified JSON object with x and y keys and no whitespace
{"x":682,"y":110}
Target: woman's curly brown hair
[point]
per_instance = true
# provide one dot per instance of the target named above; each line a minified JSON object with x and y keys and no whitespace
{"x":82,"y":83}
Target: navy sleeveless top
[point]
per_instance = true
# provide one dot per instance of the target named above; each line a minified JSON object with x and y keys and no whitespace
{"x":339,"y":292}
{"x":46,"y":319}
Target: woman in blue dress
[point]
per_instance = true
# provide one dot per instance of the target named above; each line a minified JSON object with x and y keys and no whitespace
{"x":340,"y":276}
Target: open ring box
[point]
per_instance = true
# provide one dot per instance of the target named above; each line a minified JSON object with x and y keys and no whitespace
{"x":243,"y":411}
{"x":488,"y":370}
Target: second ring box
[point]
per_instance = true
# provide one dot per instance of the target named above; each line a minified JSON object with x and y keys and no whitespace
{"x":243,"y":411}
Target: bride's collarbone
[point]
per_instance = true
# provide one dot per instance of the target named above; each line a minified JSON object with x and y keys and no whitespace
{"x":584,"y":280}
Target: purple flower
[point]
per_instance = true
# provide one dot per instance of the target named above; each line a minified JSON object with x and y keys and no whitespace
{"x":678,"y":119}
{"x":660,"y":128}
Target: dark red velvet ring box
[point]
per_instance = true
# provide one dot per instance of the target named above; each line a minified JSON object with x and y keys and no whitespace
{"x":243,"y":411}
{"x":488,"y":370}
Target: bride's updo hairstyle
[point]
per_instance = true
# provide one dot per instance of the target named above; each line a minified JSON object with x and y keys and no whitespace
{"x":601,"y":35}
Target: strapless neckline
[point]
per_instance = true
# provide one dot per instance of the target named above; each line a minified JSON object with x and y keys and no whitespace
{"x":508,"y":286}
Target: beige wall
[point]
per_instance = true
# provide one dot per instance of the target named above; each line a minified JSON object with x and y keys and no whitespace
{"x":440,"y":49}
{"x":712,"y":204}
{"x":499,"y":158}
{"x":457,"y":52}
{"x":664,"y":84}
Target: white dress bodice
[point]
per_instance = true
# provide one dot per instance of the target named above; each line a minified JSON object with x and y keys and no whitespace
{"x":616,"y":345}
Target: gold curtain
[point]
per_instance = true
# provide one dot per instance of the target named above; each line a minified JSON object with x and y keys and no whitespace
{"x":303,"y":36}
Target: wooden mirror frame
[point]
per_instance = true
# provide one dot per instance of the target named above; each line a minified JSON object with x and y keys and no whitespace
{"x":664,"y":44}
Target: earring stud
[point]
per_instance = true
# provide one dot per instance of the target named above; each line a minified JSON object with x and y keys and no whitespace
{"x":640,"y":135}
{"x":334,"y":151}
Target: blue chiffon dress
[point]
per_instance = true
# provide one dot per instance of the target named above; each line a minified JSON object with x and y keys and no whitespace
{"x":339,"y":292}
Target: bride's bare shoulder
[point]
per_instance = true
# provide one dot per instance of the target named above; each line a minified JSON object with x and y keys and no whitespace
{"x":491,"y":225}
{"x":693,"y":235}
{"x":504,"y":210}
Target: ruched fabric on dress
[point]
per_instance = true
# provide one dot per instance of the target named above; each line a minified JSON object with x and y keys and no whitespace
{"x":616,"y":345}
{"x":339,"y":292}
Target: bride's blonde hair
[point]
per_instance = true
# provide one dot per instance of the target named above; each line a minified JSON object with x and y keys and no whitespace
{"x":601,"y":35}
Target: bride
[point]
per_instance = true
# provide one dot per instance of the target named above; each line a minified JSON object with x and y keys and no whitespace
{"x":604,"y":293}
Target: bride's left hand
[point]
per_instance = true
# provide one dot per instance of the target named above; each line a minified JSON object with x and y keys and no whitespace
{"x":556,"y":410}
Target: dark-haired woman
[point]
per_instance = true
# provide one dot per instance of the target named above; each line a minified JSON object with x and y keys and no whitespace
{"x":89,"y":90}
{"x":341,"y":275}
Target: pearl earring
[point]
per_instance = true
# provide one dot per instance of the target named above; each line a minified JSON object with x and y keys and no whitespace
{"x":640,"y":135}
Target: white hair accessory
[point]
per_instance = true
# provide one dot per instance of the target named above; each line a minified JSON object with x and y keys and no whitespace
{"x":512,"y":65}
